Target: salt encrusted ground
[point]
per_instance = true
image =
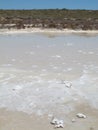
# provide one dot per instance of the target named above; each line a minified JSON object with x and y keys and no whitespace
{"x":33,"y":69}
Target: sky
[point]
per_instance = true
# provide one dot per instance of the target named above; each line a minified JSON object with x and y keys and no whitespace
{"x":49,"y":4}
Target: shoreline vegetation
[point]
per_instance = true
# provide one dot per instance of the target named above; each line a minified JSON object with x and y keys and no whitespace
{"x":49,"y":19}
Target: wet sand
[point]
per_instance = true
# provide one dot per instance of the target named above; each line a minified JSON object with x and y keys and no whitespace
{"x":32,"y":70}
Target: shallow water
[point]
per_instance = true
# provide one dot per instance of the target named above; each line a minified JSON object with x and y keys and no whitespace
{"x":33,"y":66}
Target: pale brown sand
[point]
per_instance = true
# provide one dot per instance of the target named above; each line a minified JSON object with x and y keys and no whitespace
{"x":12,"y":120}
{"x":22,"y":121}
{"x":38,"y":30}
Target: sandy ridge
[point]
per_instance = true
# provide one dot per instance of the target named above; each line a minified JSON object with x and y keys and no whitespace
{"x":39,"y":30}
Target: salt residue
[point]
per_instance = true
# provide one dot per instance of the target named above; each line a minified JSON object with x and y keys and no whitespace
{"x":32,"y":82}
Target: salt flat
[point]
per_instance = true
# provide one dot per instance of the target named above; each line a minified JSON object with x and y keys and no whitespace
{"x":34,"y":69}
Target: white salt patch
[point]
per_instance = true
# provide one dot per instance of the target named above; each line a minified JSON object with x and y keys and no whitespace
{"x":32,"y":104}
{"x":26,"y":52}
{"x":30,"y":76}
{"x":38,"y":46}
{"x":4,"y":83}
{"x":65,"y":70}
{"x":69,"y":69}
{"x":45,"y":94}
{"x":55,"y":67}
{"x":2,"y":75}
{"x":59,"y":74}
{"x":50,"y":81}
{"x":37,"y":89}
{"x":50,"y":116}
{"x":34,"y":66}
{"x":36,"y":77}
{"x":44,"y":70}
{"x":96,"y":78}
{"x":18,"y":87}
{"x":74,"y":61}
{"x":91,"y":52}
{"x":40,"y":81}
{"x":52,"y":45}
{"x":62,"y":99}
{"x":42,"y":74}
{"x":63,"y":63}
{"x":32,"y":53}
{"x":80,"y":51}
{"x":84,"y":78}
{"x":7,"y":65}
{"x":85,"y":66}
{"x":7,"y":78}
{"x":56,"y":56}
{"x":85,"y":71}
{"x":13,"y":59}
{"x":69,"y":44}
{"x":79,"y":63}
{"x":84,"y":52}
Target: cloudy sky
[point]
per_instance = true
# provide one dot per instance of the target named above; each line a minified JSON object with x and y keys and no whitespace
{"x":44,"y":4}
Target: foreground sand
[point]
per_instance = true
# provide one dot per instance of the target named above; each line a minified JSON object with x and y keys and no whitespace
{"x":12,"y":120}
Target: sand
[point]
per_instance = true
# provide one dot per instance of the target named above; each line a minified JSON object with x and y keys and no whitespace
{"x":41,"y":30}
{"x":10,"y":120}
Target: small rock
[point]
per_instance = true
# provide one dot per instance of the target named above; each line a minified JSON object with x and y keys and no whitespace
{"x":68,"y":84}
{"x":57,"y":123}
{"x":80,"y":115}
{"x":73,"y":120}
{"x":54,"y":121}
{"x":59,"y":126}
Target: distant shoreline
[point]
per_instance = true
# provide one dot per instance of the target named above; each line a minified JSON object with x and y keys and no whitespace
{"x":48,"y":30}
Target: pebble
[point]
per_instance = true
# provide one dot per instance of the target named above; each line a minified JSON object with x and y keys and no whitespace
{"x":67,"y":83}
{"x":57,"y":123}
{"x":73,"y":120}
{"x":80,"y":115}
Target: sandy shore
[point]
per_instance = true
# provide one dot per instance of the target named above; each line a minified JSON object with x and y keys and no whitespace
{"x":38,"y":30}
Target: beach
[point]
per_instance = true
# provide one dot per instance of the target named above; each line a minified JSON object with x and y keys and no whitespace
{"x":47,"y":30}
{"x":46,"y":74}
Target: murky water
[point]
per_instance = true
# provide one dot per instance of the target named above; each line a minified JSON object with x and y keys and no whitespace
{"x":33,"y":66}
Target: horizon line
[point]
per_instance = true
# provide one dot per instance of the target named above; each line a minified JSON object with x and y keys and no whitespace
{"x":48,"y":9}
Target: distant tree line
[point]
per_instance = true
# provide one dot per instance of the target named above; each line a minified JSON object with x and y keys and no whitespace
{"x":49,"y":18}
